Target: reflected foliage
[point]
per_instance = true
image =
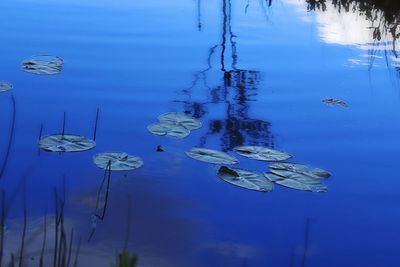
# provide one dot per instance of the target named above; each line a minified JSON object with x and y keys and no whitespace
{"x":384,"y":15}
{"x":235,"y":93}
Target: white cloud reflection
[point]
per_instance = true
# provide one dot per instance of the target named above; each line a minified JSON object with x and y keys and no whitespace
{"x":353,"y":29}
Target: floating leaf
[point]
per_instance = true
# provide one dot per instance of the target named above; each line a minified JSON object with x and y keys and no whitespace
{"x":296,"y":180}
{"x":316,"y":173}
{"x":245,"y":179}
{"x":43,"y":65}
{"x":120,"y":161}
{"x":262,"y":153}
{"x":66,"y":143}
{"x":211,"y":156}
{"x":5,"y":86}
{"x":180,"y":119}
{"x":172,"y":130}
{"x":174,"y":124}
{"x":333,"y":101}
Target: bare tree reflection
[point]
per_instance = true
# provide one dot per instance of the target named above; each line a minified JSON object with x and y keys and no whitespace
{"x":234,"y":95}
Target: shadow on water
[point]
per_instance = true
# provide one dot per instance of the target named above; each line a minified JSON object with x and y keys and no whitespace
{"x":238,"y":89}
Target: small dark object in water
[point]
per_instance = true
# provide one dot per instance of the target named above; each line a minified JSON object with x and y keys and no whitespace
{"x":159,"y":149}
{"x":332,"y":101}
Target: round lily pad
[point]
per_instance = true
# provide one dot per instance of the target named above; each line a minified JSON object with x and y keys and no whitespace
{"x":43,"y":65}
{"x":180,"y":119}
{"x":5,"y":86}
{"x":296,"y":181}
{"x":120,"y":161}
{"x":245,"y":179}
{"x":211,"y":156}
{"x":316,"y":173}
{"x":262,"y":153}
{"x":166,"y":129}
{"x":66,"y":143}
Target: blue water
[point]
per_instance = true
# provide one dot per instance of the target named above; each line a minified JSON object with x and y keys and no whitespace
{"x":136,"y":60}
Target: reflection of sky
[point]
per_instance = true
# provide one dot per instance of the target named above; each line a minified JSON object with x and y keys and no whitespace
{"x":132,"y":59}
{"x":350,"y":28}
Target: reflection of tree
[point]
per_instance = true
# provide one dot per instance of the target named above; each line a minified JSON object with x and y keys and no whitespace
{"x":384,"y":15}
{"x":237,"y":91}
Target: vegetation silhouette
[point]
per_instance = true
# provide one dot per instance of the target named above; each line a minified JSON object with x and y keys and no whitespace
{"x":237,"y":91}
{"x":383,"y":15}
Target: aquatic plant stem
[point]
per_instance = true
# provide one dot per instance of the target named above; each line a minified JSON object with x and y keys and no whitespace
{"x":40,"y":136}
{"x":21,"y":252}
{"x":10,"y":139}
{"x":63,"y":127}
{"x":41,"y":261}
{"x":306,"y":241}
{"x":70,"y":247}
{"x":77,"y":253}
{"x":95,"y":124}
{"x":2,"y":220}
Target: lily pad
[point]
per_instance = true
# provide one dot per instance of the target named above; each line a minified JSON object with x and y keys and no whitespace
{"x":181,"y":120}
{"x":172,"y":130}
{"x":43,"y":65}
{"x":316,"y":173}
{"x":245,"y":179}
{"x":120,"y":161}
{"x":296,"y":181}
{"x":262,"y":153}
{"x":66,"y":143}
{"x":211,"y":156}
{"x":333,"y":101}
{"x":5,"y":86}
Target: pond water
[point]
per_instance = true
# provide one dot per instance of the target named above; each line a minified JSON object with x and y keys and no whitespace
{"x":254,"y":73}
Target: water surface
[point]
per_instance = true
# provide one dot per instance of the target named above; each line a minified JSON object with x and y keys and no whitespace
{"x":254,"y":75}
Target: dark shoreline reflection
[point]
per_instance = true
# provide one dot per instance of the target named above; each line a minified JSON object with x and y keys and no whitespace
{"x":237,"y":90}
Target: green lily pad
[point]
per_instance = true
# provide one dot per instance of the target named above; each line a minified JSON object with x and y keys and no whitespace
{"x":296,"y":181}
{"x":172,"y":130}
{"x":262,"y":153}
{"x":245,"y":179}
{"x":211,"y":156}
{"x":316,"y":173}
{"x":5,"y":86}
{"x":180,"y":119}
{"x":66,"y":143}
{"x":43,"y":65}
{"x":120,"y":161}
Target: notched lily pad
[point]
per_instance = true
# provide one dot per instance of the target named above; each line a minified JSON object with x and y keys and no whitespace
{"x":211,"y":156}
{"x":262,"y":153}
{"x":120,"y":161}
{"x":180,"y":119}
{"x":66,"y":143}
{"x":43,"y":65}
{"x":333,"y":101}
{"x":316,"y":173}
{"x":296,"y":181}
{"x":165,"y":129}
{"x":5,"y":86}
{"x":245,"y":179}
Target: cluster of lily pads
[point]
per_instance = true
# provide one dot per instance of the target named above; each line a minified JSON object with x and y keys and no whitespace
{"x":291,"y":175}
{"x":178,"y":125}
{"x":175,"y":125}
{"x":115,"y":161}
